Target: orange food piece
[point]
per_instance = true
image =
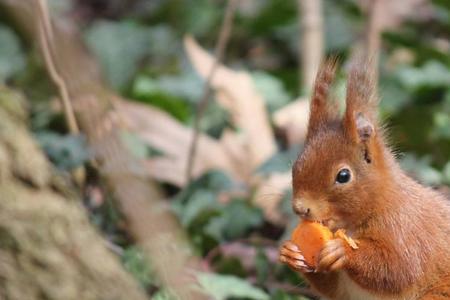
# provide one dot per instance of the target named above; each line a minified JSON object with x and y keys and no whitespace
{"x":340,"y":233}
{"x":310,"y":237}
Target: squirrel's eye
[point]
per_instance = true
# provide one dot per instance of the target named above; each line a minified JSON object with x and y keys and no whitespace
{"x":343,"y":176}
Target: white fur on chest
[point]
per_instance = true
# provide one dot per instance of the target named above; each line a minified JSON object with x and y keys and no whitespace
{"x":349,"y":290}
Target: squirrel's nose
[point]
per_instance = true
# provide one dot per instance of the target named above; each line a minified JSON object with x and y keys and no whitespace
{"x":303,"y":211}
{"x":300,"y":210}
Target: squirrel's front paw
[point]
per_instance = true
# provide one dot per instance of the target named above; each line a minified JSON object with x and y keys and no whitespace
{"x":291,"y":255}
{"x":332,"y":256}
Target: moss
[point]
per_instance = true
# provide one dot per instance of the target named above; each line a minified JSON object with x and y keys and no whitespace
{"x":48,"y":248}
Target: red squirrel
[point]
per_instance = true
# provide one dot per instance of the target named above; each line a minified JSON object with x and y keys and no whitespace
{"x":348,"y":178}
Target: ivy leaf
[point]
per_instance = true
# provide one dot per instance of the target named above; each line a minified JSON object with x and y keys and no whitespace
{"x":272,"y":88}
{"x":66,"y":151}
{"x":134,"y":261}
{"x":234,"y":221}
{"x":421,"y":169}
{"x":136,"y":146}
{"x":12,"y":59}
{"x":59,"y":7}
{"x":149,"y":90}
{"x":222,"y":287}
{"x":120,"y":46}
{"x":201,"y":201}
{"x":441,"y":122}
{"x":280,"y":161}
{"x":446,"y":173}
{"x":432,"y":74}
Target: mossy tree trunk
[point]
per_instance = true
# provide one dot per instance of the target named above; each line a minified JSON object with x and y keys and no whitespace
{"x":149,"y":217}
{"x":48,"y":248}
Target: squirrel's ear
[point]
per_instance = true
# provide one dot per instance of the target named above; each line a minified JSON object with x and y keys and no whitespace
{"x":360,"y":119}
{"x":321,"y":109}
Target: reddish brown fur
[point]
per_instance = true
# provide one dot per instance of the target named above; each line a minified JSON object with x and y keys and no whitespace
{"x":403,"y":228}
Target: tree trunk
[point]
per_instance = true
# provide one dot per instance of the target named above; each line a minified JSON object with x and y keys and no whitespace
{"x":150,"y":219}
{"x":48,"y":248}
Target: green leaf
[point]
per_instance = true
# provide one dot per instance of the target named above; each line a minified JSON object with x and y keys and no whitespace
{"x":144,"y":86}
{"x":135,"y":263}
{"x":66,"y":151}
{"x":393,"y":96}
{"x":446,"y":104}
{"x":221,"y":287}
{"x":432,"y":74}
{"x":234,"y":221}
{"x":58,"y":7}
{"x":201,"y":201}
{"x":262,"y":265}
{"x":446,"y":173}
{"x":164,"y":295}
{"x":202,"y":17}
{"x":281,"y":161}
{"x":441,"y":122}
{"x":282,"y":295}
{"x":186,"y":85}
{"x":121,"y":46}
{"x":219,"y":181}
{"x":149,"y":90}
{"x":163,"y":42}
{"x":272,"y":90}
{"x":421,"y":169}
{"x":136,"y":146}
{"x":339,"y":28}
{"x":12,"y":59}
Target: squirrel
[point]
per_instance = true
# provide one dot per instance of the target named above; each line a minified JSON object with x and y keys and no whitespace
{"x":347,"y":178}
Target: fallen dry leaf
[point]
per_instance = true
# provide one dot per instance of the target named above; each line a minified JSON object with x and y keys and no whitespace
{"x":293,"y":120}
{"x":237,"y":153}
{"x":237,"y":93}
{"x":166,"y":134}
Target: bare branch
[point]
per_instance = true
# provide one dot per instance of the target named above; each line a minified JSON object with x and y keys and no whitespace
{"x":203,"y":104}
{"x":45,"y":41}
{"x":236,"y":92}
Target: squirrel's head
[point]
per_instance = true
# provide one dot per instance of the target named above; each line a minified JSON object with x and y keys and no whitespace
{"x":339,"y":170}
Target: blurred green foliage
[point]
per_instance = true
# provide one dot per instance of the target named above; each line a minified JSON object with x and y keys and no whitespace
{"x":12,"y":58}
{"x":140,"y":50}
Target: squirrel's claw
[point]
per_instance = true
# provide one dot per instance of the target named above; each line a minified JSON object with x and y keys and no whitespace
{"x":332,"y":257}
{"x":291,"y":255}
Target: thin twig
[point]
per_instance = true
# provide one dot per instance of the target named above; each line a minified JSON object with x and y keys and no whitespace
{"x":45,"y":39}
{"x":311,"y":41}
{"x":219,"y":51}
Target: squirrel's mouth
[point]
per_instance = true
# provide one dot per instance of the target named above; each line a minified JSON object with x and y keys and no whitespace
{"x":331,"y":223}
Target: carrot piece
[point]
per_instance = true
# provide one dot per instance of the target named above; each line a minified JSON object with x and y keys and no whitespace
{"x":310,"y":237}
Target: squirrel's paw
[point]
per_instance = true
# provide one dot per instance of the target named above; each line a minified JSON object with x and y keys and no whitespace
{"x":291,"y":255}
{"x":332,"y":256}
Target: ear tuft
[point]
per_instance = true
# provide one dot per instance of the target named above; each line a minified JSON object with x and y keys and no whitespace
{"x":364,"y":127}
{"x":360,"y":118}
{"x":360,"y":122}
{"x":322,"y":110}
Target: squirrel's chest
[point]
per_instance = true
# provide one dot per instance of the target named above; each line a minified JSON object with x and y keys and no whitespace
{"x":349,"y":290}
